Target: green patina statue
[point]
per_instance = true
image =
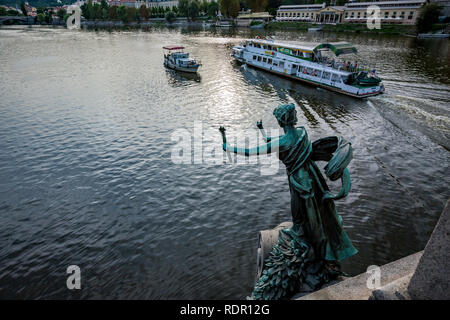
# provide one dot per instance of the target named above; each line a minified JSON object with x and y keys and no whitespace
{"x":309,"y":252}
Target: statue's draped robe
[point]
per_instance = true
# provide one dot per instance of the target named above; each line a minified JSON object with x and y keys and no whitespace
{"x":319,"y":220}
{"x":316,"y":240}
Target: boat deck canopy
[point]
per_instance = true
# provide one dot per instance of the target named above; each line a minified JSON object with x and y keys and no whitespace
{"x":337,"y":47}
{"x":173,"y":47}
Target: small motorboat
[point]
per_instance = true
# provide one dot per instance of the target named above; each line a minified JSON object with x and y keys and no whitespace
{"x":179,"y":60}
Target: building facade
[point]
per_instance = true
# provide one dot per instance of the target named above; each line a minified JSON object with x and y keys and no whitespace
{"x":392,"y":12}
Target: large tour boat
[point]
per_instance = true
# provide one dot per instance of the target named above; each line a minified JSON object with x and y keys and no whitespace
{"x":312,"y":64}
{"x":176,"y":59}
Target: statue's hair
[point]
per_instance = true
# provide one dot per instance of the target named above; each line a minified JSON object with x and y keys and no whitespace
{"x":286,"y":114}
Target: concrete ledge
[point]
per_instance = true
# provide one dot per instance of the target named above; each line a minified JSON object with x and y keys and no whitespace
{"x":355,"y":288}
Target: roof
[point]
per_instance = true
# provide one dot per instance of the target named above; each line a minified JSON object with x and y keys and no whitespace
{"x":337,"y":47}
{"x":298,"y":46}
{"x":303,"y":6}
{"x":173,"y":47}
{"x":254,"y":15}
{"x":399,"y":3}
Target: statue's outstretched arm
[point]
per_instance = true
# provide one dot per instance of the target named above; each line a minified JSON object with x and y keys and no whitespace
{"x":263,"y":131}
{"x":267,"y":148}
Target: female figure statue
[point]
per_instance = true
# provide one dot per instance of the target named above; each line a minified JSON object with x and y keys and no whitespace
{"x":309,"y":252}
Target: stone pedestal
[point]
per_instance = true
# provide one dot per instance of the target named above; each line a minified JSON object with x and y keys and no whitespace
{"x":431,"y":280}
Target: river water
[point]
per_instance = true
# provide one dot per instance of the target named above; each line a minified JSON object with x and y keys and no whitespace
{"x":87,"y":178}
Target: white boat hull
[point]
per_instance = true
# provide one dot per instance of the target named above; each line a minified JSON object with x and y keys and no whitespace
{"x":173,"y":66}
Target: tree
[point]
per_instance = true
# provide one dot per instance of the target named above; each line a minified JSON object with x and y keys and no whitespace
{"x":428,"y":15}
{"x":257,"y":5}
{"x":170,"y":16}
{"x":131,"y":14}
{"x":143,"y":13}
{"x":233,"y":9}
{"x":213,"y":9}
{"x":61,"y":13}
{"x":224,"y":7}
{"x":2,"y":11}
{"x":189,"y":8}
{"x":113,"y":13}
{"x":122,"y":13}
{"x":40,"y":17}
{"x":84,"y":11}
{"x":104,"y":5}
{"x":97,"y":9}
{"x":183,"y":7}
{"x":193,"y":9}
{"x":204,"y":6}
{"x":48,"y":16}
{"x":24,"y":9}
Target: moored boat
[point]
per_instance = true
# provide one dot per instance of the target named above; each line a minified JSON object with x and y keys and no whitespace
{"x":312,"y":64}
{"x":178,"y":60}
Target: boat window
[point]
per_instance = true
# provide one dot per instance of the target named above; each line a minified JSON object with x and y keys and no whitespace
{"x":269,"y":61}
{"x":275,"y":63}
{"x":270,"y":47}
{"x":335,"y":77}
{"x":264,"y":59}
{"x":259,"y":58}
{"x":316,"y":73}
{"x":294,"y":66}
{"x":254,"y":57}
{"x":281,"y":64}
{"x":306,"y":55}
{"x":326,"y":75}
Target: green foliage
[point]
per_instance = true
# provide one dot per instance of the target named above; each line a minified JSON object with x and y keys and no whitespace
{"x":143,"y":13}
{"x":213,"y":9}
{"x":61,"y":13}
{"x":131,"y":14}
{"x":233,"y":9}
{"x":12,"y":13}
{"x":230,"y":8}
{"x":2,"y":11}
{"x":189,"y":8}
{"x":122,"y":14}
{"x":24,"y":10}
{"x":40,"y":17}
{"x":257,"y":5}
{"x":256,"y":22}
{"x":428,"y":15}
{"x":112,"y":13}
{"x":170,"y":16}
{"x":204,"y":6}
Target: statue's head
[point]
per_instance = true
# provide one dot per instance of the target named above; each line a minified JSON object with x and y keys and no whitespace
{"x":286,"y":115}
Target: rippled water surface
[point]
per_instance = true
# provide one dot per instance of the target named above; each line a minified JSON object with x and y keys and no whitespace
{"x":86,"y":124}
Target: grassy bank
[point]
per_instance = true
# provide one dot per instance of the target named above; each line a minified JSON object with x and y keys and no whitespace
{"x":347,"y":27}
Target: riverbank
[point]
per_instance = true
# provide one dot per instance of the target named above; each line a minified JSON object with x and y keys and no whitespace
{"x":395,"y":29}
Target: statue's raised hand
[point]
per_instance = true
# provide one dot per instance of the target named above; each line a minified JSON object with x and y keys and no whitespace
{"x":259,"y":124}
{"x":222,"y":131}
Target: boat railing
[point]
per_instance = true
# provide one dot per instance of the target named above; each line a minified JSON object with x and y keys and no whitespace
{"x":346,"y":66}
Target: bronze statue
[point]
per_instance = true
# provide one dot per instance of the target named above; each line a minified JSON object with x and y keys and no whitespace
{"x":309,"y":252}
